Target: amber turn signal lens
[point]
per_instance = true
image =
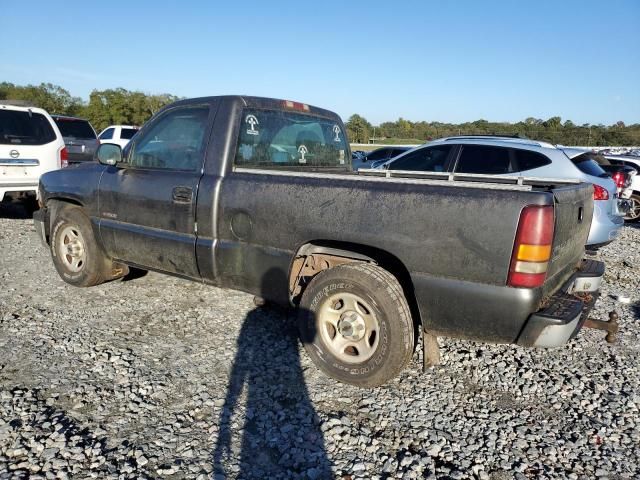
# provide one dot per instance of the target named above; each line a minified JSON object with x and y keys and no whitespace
{"x":534,"y":253}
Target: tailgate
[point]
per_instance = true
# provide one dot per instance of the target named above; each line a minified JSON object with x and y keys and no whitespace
{"x":19,"y":164}
{"x":573,"y":212}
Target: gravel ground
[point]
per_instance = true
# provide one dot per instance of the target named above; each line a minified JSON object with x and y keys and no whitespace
{"x":156,"y":377}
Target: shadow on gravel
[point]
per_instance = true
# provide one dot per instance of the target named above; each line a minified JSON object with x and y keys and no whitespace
{"x":15,"y":209}
{"x":268,"y":427}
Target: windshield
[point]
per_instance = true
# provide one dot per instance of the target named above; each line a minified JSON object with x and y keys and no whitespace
{"x":80,"y":129}
{"x":24,"y":128}
{"x":277,"y":139}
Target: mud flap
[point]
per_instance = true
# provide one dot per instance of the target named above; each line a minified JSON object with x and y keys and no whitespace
{"x":430,"y":350}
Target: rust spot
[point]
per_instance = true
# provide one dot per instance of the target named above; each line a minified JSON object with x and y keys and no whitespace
{"x":306,"y":267}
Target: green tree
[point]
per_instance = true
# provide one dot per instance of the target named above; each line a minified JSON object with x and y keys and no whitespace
{"x":358,"y":129}
{"x":121,"y":106}
{"x":52,"y":98}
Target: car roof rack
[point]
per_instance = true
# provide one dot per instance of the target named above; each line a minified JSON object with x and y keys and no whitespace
{"x":501,"y":138}
{"x":489,"y":135}
{"x":18,"y":103}
{"x":496,"y":182}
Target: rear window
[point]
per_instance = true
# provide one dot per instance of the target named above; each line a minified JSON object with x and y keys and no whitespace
{"x":586,"y":163}
{"x":280,"y":139}
{"x":80,"y":129}
{"x":128,"y":133}
{"x":24,"y":128}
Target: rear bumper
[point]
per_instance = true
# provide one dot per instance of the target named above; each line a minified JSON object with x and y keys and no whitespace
{"x":604,"y":227}
{"x":566,"y":311}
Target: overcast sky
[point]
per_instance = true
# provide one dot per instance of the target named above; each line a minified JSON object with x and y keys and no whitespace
{"x":435,"y":61}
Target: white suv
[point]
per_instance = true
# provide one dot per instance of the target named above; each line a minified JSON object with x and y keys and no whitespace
{"x":30,"y":145}
{"x":118,"y":134}
{"x":498,"y":155}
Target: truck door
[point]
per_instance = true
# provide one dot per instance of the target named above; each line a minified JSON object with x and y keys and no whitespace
{"x":147,"y":203}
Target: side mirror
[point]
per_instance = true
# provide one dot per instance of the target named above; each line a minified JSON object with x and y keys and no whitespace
{"x":109,"y":154}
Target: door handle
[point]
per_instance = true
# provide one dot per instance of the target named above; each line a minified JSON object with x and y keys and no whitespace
{"x":181,"y":194}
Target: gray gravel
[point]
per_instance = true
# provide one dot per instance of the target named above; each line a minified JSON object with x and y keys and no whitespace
{"x":157,"y":377}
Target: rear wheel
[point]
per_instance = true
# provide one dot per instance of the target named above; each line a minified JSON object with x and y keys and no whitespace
{"x":634,"y":212}
{"x":356,"y":324}
{"x":76,"y":255}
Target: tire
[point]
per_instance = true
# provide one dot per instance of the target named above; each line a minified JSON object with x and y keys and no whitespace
{"x":634,"y":214}
{"x":78,"y":258}
{"x":356,"y":325}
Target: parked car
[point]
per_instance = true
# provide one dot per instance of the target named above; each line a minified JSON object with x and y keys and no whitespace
{"x":118,"y":134}
{"x":274,"y":209}
{"x":379,"y":155}
{"x":634,"y":162}
{"x":79,"y":137}
{"x":517,"y":156}
{"x":622,"y":175}
{"x":357,"y":156}
{"x":30,"y":145}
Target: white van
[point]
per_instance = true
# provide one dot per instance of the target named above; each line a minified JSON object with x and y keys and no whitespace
{"x":30,"y":145}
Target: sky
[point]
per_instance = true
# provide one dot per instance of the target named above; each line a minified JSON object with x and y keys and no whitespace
{"x":450,"y":61}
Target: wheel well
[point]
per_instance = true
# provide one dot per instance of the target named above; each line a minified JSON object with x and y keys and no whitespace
{"x":53,"y":206}
{"x":56,"y":200}
{"x":319,"y":255}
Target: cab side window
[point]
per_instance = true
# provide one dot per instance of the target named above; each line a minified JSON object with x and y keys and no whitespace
{"x":431,"y":159}
{"x":175,"y":141}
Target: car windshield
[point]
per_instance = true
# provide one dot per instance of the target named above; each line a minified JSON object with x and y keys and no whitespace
{"x":24,"y":128}
{"x":587,"y":163}
{"x":128,"y":133}
{"x":282,"y":139}
{"x":71,"y":128}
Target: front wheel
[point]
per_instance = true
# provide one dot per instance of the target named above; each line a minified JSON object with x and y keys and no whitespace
{"x":356,"y":324}
{"x":76,"y":255}
{"x":634,"y":213}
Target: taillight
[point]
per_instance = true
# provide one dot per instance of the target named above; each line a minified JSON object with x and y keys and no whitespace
{"x":64,"y":157}
{"x":600,"y":193}
{"x":618,"y":177}
{"x":532,"y":248}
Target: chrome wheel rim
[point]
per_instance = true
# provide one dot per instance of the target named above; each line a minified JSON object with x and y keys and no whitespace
{"x":71,"y":249}
{"x":634,"y":212}
{"x":349,"y":328}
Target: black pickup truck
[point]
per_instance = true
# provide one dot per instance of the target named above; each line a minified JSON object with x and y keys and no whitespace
{"x":258,"y":195}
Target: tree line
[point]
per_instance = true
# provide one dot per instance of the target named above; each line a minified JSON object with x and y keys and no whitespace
{"x":121,"y":106}
{"x":116,"y":106}
{"x":552,"y":130}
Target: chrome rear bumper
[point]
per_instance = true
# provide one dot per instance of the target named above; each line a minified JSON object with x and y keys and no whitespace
{"x":566,"y":311}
